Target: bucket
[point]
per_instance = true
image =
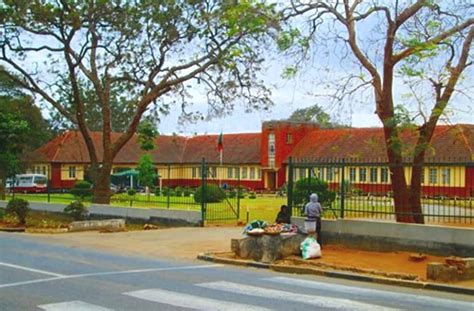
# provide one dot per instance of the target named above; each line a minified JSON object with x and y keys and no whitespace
{"x":310,"y":226}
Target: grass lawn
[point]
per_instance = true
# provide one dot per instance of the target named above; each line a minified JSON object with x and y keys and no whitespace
{"x":263,"y":207}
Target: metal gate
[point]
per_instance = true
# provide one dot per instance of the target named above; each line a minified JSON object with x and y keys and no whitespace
{"x":221,"y":197}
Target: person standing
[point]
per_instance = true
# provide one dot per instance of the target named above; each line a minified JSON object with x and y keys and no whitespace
{"x":313,"y":211}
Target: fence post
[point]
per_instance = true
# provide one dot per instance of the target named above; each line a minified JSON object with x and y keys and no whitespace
{"x":289,"y":190}
{"x":238,"y":195}
{"x":343,"y":186}
{"x":169,"y":191}
{"x":203,"y":191}
{"x":47,"y":189}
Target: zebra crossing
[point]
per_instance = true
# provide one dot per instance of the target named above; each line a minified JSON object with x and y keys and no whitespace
{"x":254,"y":298}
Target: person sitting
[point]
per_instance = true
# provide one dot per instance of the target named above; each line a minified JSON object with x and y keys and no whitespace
{"x":284,"y":216}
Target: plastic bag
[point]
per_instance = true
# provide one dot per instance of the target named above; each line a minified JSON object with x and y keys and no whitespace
{"x":310,"y":248}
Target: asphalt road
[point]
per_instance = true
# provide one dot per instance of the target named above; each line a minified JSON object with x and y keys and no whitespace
{"x":36,"y":275}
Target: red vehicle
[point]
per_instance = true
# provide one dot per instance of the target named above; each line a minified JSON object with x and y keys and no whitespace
{"x":35,"y":183}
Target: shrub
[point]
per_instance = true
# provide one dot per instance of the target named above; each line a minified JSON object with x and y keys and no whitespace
{"x":82,"y":189}
{"x":232,"y":194}
{"x":252,"y":195}
{"x":213,"y":194}
{"x":187,"y":192}
{"x":178,"y":191}
{"x":158,"y":192}
{"x":131,"y":192}
{"x":304,"y":187}
{"x":19,"y":208}
{"x":76,"y":210}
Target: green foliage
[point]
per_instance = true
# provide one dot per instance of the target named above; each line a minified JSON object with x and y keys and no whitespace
{"x":178,"y":191}
{"x":18,"y":208}
{"x":77,"y":210}
{"x":146,"y":171}
{"x":212,"y":194}
{"x":82,"y":190}
{"x":146,"y":135}
{"x":304,"y":187}
{"x":187,"y":192}
{"x":252,"y":195}
{"x":131,"y":192}
{"x":313,"y":114}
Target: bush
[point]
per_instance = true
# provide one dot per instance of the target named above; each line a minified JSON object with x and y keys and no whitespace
{"x":252,"y":195}
{"x":187,"y":192}
{"x":232,"y":194}
{"x":82,"y":189}
{"x":18,"y":208}
{"x":304,"y":187}
{"x":213,"y":194}
{"x":178,"y":191}
{"x":131,"y":192}
{"x":76,"y":210}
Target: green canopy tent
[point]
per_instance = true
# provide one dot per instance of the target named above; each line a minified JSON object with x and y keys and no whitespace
{"x":128,"y":173}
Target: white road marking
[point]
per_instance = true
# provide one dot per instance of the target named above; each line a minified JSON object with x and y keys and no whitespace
{"x":314,"y":300}
{"x":75,"y":276}
{"x":190,"y":301}
{"x":30,"y":269}
{"x":353,"y":291}
{"x":75,"y":305}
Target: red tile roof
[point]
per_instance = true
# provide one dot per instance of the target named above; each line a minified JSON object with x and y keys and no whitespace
{"x":238,"y":148}
{"x":449,"y":144}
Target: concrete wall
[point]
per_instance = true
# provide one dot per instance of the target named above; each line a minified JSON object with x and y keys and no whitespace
{"x":390,"y":236}
{"x":168,"y":216}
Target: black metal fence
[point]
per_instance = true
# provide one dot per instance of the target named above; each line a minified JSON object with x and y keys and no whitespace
{"x":201,"y":187}
{"x":363,"y":189}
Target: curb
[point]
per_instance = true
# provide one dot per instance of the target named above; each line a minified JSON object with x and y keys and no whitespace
{"x":21,"y":229}
{"x":339,"y":274}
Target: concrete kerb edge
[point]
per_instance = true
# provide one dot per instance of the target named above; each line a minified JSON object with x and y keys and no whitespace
{"x":338,"y":274}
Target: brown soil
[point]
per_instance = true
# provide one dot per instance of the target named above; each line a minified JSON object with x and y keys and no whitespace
{"x":387,"y":262}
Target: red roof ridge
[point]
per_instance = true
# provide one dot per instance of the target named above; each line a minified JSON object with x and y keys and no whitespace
{"x":60,"y":145}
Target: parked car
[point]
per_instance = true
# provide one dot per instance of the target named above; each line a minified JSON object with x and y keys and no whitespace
{"x":114,"y":189}
{"x":36,"y":183}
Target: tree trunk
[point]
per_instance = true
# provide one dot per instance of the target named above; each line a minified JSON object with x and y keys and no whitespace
{"x":399,"y":185}
{"x":101,"y":191}
{"x":415,"y":191}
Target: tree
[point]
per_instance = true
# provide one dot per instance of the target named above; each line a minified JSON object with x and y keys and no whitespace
{"x":424,"y":43}
{"x":146,"y":171}
{"x":315,"y":114}
{"x":22,"y":129}
{"x":155,"y":50}
{"x":121,"y":108}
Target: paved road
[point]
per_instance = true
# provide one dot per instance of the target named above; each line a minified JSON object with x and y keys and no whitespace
{"x":36,"y":275}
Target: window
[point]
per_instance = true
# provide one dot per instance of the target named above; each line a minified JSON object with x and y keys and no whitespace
{"x":384,"y":174}
{"x":214,"y":171}
{"x":330,"y":173}
{"x":321,"y":173}
{"x":259,"y":172}
{"x":312,"y":172}
{"x":302,"y":173}
{"x":289,"y":138}
{"x":194,"y":173}
{"x":72,"y":172}
{"x":237,"y":173}
{"x":362,"y":174}
{"x":373,"y":174}
{"x":271,"y":162}
{"x":433,"y":177}
{"x":244,"y":173}
{"x":230,"y":172}
{"x":352,"y":174}
{"x":252,"y":173}
{"x":446,"y":176}
{"x":422,"y":176}
{"x":271,"y":144}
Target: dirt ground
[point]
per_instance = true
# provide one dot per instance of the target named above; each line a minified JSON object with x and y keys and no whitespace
{"x":186,"y":243}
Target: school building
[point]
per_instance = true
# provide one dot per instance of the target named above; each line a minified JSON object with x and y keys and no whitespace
{"x":259,"y":160}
